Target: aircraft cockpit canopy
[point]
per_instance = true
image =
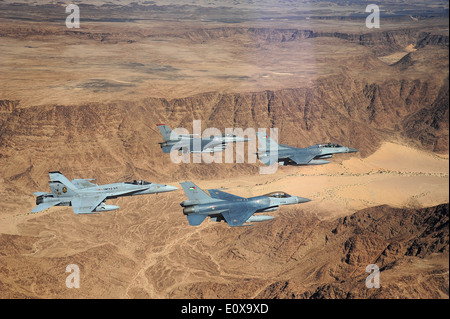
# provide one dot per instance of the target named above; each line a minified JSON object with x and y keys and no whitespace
{"x":138,"y":182}
{"x":278,"y":195}
{"x":329,"y":145}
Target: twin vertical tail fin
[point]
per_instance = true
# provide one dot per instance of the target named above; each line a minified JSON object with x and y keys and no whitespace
{"x":60,"y":185}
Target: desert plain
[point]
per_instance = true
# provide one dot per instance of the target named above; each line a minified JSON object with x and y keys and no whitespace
{"x":86,"y":102}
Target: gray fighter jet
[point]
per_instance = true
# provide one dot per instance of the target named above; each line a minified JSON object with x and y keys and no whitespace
{"x":86,"y":197}
{"x":270,"y":152}
{"x":235,"y":210}
{"x":187,"y":143}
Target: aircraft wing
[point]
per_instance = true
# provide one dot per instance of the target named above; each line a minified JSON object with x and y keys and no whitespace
{"x":302,"y":158}
{"x":215,"y":193}
{"x":44,"y":206}
{"x":86,"y":204}
{"x":238,"y":217}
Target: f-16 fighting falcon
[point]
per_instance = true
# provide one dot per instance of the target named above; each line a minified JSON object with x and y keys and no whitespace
{"x":271,"y":152}
{"x":187,"y":143}
{"x":235,"y":210}
{"x":86,"y":197}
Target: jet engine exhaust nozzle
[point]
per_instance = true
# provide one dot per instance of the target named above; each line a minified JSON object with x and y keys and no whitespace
{"x":188,"y":210}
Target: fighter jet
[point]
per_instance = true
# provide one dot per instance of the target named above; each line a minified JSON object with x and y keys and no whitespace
{"x":235,"y":210}
{"x":271,"y":152}
{"x":86,"y":197}
{"x":187,"y":143}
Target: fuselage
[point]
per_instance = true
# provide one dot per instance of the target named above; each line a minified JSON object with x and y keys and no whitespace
{"x":320,"y":152}
{"x":126,"y":189}
{"x":198,"y":145}
{"x":86,"y":197}
{"x":234,"y":209}
{"x":257,"y":204}
{"x":111,"y":191}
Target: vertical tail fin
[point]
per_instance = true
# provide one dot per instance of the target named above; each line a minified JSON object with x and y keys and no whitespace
{"x":166,"y":132}
{"x":196,"y":194}
{"x":267,"y":149}
{"x":60,"y":185}
{"x":266,"y":143}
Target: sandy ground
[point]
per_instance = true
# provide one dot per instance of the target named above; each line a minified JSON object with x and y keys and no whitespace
{"x":396,"y":56}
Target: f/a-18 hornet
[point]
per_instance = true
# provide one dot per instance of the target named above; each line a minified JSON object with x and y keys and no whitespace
{"x":86,"y":197}
{"x":187,"y":143}
{"x":271,"y":152}
{"x":235,"y":210}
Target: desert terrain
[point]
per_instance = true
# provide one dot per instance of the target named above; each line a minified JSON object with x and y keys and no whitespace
{"x":86,"y":102}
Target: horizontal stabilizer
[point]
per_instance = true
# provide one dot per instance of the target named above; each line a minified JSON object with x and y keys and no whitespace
{"x":196,"y":219}
{"x":268,"y":159}
{"x":44,"y":206}
{"x":41,"y":193}
{"x":167,"y":149}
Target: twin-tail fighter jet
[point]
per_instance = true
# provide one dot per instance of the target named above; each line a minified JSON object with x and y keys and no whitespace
{"x":86,"y":197}
{"x":270,"y":152}
{"x":187,"y":143}
{"x":235,"y":210}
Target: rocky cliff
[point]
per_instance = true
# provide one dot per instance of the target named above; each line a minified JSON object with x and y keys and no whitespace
{"x":121,"y":137}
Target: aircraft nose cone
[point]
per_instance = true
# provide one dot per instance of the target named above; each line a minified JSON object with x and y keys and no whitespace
{"x":302,"y":200}
{"x":352,"y":150}
{"x":161,"y":188}
{"x":169,"y":188}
